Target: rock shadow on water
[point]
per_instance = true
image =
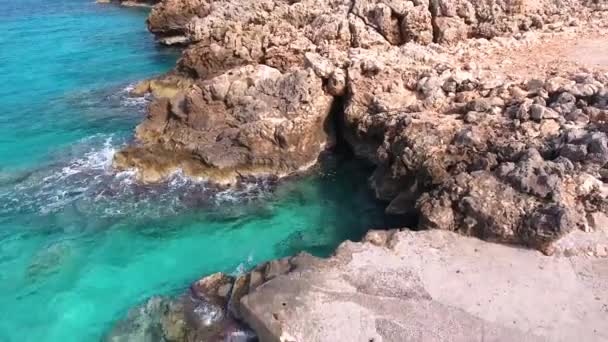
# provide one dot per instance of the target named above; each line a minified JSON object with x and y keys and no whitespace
{"x":345,"y":208}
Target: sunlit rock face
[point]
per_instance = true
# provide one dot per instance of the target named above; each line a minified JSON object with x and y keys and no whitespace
{"x":458,"y":141}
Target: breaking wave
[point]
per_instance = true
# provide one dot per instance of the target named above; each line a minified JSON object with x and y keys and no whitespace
{"x":82,"y":177}
{"x":90,"y":182}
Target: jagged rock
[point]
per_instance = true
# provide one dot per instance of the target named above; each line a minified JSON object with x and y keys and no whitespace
{"x":159,"y":319}
{"x":460,"y":140}
{"x":253,"y":120}
{"x":170,"y":17}
{"x":480,"y":161}
{"x":451,"y":30}
{"x":240,"y":288}
{"x":165,"y":86}
{"x":266,"y":74}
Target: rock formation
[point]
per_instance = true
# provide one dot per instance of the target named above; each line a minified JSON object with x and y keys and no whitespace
{"x":459,"y":143}
{"x":485,"y":118}
{"x":252,"y":120}
{"x":394,"y":286}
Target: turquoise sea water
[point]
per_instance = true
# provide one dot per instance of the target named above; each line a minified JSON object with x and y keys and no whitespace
{"x":79,"y":243}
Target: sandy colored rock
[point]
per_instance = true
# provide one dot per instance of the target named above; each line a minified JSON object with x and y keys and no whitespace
{"x":436,"y":286}
{"x":251,"y":121}
{"x":461,"y":140}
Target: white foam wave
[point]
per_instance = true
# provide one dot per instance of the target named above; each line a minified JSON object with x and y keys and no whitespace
{"x":134,"y":101}
{"x":129,"y":100}
{"x":89,"y":182}
{"x":244,"y":266}
{"x":129,"y":88}
{"x":94,"y":160}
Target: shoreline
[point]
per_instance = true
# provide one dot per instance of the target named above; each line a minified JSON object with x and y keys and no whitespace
{"x":500,"y":138}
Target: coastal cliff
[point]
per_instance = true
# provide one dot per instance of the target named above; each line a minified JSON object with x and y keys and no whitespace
{"x":482,"y":118}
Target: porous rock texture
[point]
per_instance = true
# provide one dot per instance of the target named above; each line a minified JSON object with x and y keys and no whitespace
{"x":482,"y":118}
{"x":461,"y":141}
{"x":252,"y":120}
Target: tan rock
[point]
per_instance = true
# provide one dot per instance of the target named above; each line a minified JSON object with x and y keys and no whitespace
{"x":433,"y":286}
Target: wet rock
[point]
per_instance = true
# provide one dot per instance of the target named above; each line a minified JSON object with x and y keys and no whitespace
{"x":159,"y":319}
{"x":240,"y":288}
{"x":215,"y":288}
{"x":275,"y":268}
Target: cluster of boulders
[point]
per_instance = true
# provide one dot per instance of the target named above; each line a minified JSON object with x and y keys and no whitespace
{"x":465,"y":150}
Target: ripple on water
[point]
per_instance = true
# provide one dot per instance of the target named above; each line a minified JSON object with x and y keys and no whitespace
{"x":92,"y":241}
{"x":81,"y":243}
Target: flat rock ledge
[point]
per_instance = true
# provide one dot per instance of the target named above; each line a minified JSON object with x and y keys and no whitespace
{"x":487,"y":121}
{"x":393,"y":286}
{"x":130,"y":3}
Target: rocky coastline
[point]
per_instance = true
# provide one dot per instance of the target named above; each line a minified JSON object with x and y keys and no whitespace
{"x":486,"y":122}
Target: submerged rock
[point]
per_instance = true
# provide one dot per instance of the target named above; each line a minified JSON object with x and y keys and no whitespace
{"x":201,"y":314}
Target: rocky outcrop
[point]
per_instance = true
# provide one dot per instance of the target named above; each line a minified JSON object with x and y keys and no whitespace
{"x":201,"y":314}
{"x":459,"y":144}
{"x":210,"y":310}
{"x":250,"y":121}
{"x":169,"y":18}
{"x":483,"y":118}
{"x":467,"y":150}
{"x":421,"y":286}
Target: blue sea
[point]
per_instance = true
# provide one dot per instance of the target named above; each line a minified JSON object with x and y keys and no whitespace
{"x":80,"y":243}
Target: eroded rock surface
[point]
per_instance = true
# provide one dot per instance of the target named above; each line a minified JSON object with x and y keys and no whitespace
{"x":461,"y":141}
{"x":252,"y":120}
{"x":485,"y":118}
{"x":432,"y":286}
{"x":201,"y":314}
{"x":394,"y":286}
{"x":469,"y":150}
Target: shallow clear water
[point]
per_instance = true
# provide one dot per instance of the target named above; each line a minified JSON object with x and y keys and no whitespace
{"x":79,"y":243}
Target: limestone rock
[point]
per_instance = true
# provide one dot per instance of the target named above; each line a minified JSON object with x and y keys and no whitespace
{"x":253,"y":120}
{"x":466,"y":155}
{"x":416,"y":286}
